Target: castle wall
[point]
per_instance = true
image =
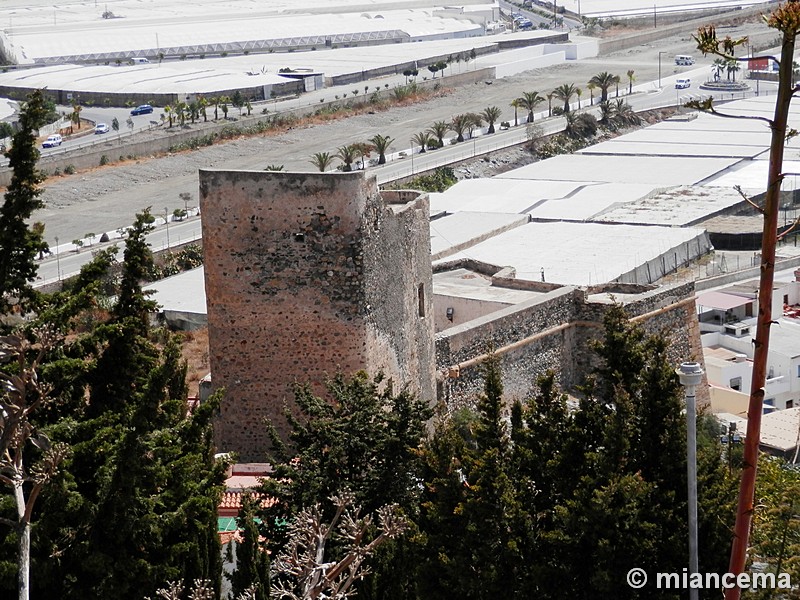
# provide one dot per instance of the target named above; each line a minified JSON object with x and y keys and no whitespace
{"x":554,"y":333}
{"x":306,"y":275}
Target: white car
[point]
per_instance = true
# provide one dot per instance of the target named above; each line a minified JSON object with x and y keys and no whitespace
{"x":53,"y":140}
{"x":101,"y":128}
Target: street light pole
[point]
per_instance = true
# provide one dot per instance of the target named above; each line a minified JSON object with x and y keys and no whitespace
{"x":58,"y":261}
{"x":659,"y":67}
{"x":690,"y":375}
{"x":166,"y":222}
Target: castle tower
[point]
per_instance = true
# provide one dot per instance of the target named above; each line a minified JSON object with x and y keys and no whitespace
{"x":308,"y":274}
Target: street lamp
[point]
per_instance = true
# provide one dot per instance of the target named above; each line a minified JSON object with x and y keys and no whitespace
{"x":166,"y":222}
{"x":659,"y":67}
{"x":690,"y":375}
{"x":58,"y":261}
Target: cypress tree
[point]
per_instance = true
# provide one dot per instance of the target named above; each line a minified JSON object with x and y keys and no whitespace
{"x":20,"y":244}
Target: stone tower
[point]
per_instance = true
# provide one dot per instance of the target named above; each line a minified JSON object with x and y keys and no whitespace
{"x":308,"y":274}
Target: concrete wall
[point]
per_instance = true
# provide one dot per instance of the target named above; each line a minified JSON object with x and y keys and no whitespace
{"x":306,"y":275}
{"x":464,"y":310}
{"x":649,"y":36}
{"x":529,"y":58}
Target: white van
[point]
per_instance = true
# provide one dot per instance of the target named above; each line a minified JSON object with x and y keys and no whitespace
{"x":52,"y":141}
{"x":684,"y":59}
{"x":140,"y":61}
{"x":682,"y":83}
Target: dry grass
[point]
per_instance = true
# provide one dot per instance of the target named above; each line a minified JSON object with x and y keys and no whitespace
{"x":194,"y":350}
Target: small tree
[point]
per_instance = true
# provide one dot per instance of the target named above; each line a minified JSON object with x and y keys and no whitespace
{"x":303,"y":572}
{"x":565,"y":92}
{"x":115,"y":124}
{"x":491,"y":114}
{"x":347,"y":154}
{"x":19,"y":245}
{"x":381,"y":144}
{"x":322,"y":161}
{"x":439,"y":129}
{"x":22,"y":395}
{"x":423,"y":139}
{"x":631,"y":79}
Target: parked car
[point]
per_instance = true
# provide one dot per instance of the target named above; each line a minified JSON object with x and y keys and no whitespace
{"x":144,"y":109}
{"x":101,"y":128}
{"x":53,"y":140}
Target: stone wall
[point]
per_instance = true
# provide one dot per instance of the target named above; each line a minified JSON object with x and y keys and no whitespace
{"x":306,"y":275}
{"x":554,"y":333}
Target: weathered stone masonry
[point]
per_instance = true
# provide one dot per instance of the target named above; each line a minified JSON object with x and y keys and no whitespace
{"x":553,"y":333}
{"x":307,"y":274}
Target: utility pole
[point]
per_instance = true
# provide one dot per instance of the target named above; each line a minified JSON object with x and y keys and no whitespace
{"x":691,"y":375}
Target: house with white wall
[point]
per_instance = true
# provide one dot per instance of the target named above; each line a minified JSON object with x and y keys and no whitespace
{"x":728,"y":325}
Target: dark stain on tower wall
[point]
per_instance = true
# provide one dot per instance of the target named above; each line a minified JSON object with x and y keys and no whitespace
{"x":309,"y":274}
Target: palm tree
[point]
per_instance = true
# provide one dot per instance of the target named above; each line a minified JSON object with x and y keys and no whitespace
{"x":347,"y":154}
{"x":474,"y":120}
{"x":591,"y":87}
{"x":719,"y":66}
{"x":580,"y":126}
{"x":578,"y":93}
{"x":439,"y":129}
{"x":607,"y":115}
{"x":322,"y":160}
{"x":529,"y":101}
{"x":515,"y":103}
{"x":202,"y":102}
{"x":423,"y":139}
{"x":631,"y":79}
{"x":459,"y":126}
{"x":550,"y":104}
{"x":76,"y":115}
{"x":624,"y":113}
{"x":180,"y":111}
{"x":363,"y":150}
{"x":381,"y":144}
{"x":604,"y":81}
{"x":732,"y":66}
{"x":169,"y":111}
{"x":565,"y":92}
{"x":491,"y":114}
{"x":216,"y":101}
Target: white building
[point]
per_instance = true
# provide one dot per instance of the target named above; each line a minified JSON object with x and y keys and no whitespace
{"x":728,"y":325}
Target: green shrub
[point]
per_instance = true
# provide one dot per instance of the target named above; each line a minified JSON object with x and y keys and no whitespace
{"x":69,"y":169}
{"x":103,"y":160}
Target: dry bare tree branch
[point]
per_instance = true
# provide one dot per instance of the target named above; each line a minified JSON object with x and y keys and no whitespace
{"x":303,"y":558}
{"x":739,"y":189}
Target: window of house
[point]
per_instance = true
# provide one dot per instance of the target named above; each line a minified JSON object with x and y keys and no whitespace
{"x":790,"y":404}
{"x":736,"y":383}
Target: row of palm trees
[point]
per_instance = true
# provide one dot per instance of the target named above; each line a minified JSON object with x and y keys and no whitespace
{"x":613,"y":114}
{"x":351,"y":153}
{"x":565,"y":92}
{"x":181,"y":111}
